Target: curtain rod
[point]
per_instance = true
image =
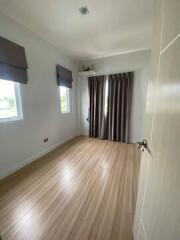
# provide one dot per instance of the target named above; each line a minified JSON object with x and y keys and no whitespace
{"x":110,"y":73}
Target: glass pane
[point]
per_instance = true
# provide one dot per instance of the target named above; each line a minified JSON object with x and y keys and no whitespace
{"x":64,"y":96}
{"x":8,"y":106}
{"x":106,"y":98}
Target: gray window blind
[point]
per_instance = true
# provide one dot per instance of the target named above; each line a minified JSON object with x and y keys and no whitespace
{"x":64,"y":76}
{"x":13,"y":64}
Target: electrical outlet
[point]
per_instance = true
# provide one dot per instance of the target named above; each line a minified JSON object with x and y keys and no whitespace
{"x":46,"y":139}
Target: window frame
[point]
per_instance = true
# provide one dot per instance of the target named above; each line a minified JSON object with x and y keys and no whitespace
{"x":19,"y":116}
{"x":68,"y":94}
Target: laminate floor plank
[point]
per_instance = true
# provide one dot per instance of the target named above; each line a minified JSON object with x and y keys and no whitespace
{"x":84,"y":190}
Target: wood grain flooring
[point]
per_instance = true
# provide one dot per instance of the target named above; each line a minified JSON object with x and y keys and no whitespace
{"x":84,"y":190}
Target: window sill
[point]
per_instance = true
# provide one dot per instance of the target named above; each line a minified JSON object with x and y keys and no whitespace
{"x":65,"y":113}
{"x":7,"y":120}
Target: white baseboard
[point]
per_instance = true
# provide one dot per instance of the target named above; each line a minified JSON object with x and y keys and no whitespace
{"x":33,"y":158}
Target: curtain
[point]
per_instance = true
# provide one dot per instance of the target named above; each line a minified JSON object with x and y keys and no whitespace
{"x":64,"y":76}
{"x":119,"y":106}
{"x":96,"y":110}
{"x":13,"y":63}
{"x":110,"y":106}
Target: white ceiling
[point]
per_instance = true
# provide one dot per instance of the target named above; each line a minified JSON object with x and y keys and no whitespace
{"x":112,"y":26}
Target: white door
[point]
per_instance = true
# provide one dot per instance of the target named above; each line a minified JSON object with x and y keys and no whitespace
{"x":158,"y":205}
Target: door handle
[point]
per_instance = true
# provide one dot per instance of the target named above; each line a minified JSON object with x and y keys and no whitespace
{"x":142,"y":145}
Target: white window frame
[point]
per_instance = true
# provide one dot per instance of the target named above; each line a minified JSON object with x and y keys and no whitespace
{"x":68,"y":94}
{"x":19,"y":116}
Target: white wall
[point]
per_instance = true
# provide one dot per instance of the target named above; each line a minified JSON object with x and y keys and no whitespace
{"x":139,"y":62}
{"x":22,"y":141}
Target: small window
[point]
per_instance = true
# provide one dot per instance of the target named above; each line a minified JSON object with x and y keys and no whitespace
{"x":106,"y":98}
{"x":64,"y":99}
{"x":10,"y":102}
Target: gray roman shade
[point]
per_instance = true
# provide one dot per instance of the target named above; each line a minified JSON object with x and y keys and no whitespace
{"x":64,"y":76}
{"x":13,"y":64}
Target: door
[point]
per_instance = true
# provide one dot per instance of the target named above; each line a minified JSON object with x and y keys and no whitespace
{"x":158,"y":205}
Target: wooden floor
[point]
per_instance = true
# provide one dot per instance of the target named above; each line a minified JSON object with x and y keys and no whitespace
{"x":85,"y":189}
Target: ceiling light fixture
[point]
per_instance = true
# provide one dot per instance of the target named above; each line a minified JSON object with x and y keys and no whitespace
{"x":84,"y":10}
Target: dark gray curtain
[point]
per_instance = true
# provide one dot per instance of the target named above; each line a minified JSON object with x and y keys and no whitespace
{"x":120,"y":88}
{"x":96,"y":110}
{"x":13,"y":63}
{"x":64,"y":76}
{"x":112,"y":123}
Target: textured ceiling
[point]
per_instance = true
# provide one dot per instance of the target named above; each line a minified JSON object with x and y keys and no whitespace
{"x":112,"y":26}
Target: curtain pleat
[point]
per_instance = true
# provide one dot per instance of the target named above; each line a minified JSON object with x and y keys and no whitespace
{"x":96,"y":112}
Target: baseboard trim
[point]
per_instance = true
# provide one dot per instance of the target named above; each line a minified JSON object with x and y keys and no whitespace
{"x":34,"y":158}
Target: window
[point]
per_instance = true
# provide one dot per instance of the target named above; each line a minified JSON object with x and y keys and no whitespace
{"x":64,"y":99}
{"x":106,"y":98}
{"x":10,"y":103}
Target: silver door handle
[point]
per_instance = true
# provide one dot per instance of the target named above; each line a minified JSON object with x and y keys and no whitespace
{"x":142,"y":145}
